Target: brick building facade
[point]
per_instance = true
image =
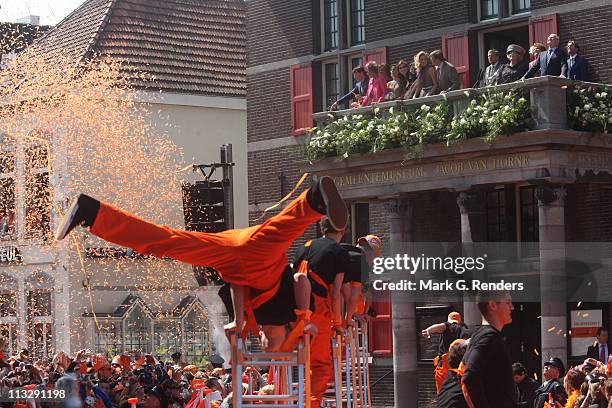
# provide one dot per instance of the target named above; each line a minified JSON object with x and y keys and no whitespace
{"x":300,"y":55}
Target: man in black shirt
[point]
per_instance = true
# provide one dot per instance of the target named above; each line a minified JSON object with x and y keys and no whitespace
{"x":487,"y":377}
{"x":450,"y":330}
{"x":324,"y":262}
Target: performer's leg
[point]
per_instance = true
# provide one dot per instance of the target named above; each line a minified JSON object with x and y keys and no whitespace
{"x":122,"y":228}
{"x":264,"y":247}
{"x":320,"y":352}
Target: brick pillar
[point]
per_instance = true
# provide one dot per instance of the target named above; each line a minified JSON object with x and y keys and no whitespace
{"x":403,"y":312}
{"x":551,"y":210}
{"x":473,"y":224}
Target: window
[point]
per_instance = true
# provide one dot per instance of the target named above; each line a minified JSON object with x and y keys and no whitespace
{"x":360,"y":214}
{"x":167,"y":338}
{"x":37,"y":197}
{"x":330,"y":25}
{"x":7,"y":190}
{"x":520,"y":6}
{"x":331,"y":83}
{"x":354,"y":62}
{"x":108,"y":337}
{"x":8,"y":331}
{"x":137,"y":331}
{"x":39,"y":303}
{"x":530,"y":229}
{"x":357,"y":19}
{"x":196,"y":334}
{"x":8,"y":304}
{"x":8,"y":313}
{"x":488,"y":9}
{"x":39,"y":309}
{"x":496,"y":216}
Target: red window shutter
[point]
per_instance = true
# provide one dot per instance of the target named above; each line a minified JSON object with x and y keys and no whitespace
{"x":301,"y":98}
{"x":378,"y":55}
{"x":541,"y":27}
{"x":455,"y":48}
{"x":381,"y":329}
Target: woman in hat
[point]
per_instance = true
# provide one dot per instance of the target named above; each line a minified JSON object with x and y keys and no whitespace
{"x":515,"y":68}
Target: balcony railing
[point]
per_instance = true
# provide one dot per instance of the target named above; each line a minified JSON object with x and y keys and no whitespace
{"x":549,"y":98}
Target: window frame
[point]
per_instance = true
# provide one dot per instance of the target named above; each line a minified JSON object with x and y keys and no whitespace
{"x":481,"y":17}
{"x":519,"y":11}
{"x":12,"y":234}
{"x":31,"y":176}
{"x":349,"y":25}
{"x":324,"y":37}
{"x":324,"y":64}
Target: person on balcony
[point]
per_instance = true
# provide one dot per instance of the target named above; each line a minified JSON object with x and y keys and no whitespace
{"x":396,"y":88}
{"x":515,"y":69}
{"x":495,"y":65}
{"x":358,"y":91}
{"x":448,"y":78}
{"x":534,"y":51}
{"x":552,"y":62}
{"x":377,"y":88}
{"x":426,"y":82}
{"x":576,"y":67}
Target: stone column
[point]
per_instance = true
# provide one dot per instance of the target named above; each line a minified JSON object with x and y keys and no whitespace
{"x":473,"y":224}
{"x":403,"y":312}
{"x":549,"y":104}
{"x":551,"y":212}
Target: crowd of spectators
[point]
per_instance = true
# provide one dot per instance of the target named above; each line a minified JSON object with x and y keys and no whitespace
{"x":95,"y":381}
{"x":587,"y":385}
{"x":431,"y":74}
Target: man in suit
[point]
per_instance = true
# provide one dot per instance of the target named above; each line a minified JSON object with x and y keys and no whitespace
{"x":576,"y":67}
{"x":495,"y":65}
{"x":448,"y":79}
{"x":550,"y":62}
{"x":359,"y":90}
{"x":553,"y":370}
{"x":599,"y":350}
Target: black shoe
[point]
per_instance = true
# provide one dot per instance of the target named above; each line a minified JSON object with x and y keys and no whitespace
{"x":325,"y":198}
{"x":82,"y":211}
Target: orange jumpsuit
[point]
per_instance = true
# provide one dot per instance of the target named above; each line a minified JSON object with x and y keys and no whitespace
{"x":320,"y":351}
{"x":254,"y":257}
{"x":321,"y":366}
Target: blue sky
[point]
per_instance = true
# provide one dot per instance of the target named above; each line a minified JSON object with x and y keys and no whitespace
{"x":50,"y":11}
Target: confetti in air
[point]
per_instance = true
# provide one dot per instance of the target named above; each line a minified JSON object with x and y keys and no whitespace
{"x":67,"y":128}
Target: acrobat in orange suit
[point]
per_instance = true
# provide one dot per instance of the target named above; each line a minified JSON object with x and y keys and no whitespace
{"x":252,"y":257}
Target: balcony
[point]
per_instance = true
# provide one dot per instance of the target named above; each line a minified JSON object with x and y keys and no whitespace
{"x":553,"y":130}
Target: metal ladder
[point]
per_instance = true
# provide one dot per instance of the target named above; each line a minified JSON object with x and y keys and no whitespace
{"x":352,"y":390}
{"x":288,"y":393}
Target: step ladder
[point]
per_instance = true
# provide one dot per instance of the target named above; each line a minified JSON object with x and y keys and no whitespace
{"x":289,"y":392}
{"x":351,"y":374}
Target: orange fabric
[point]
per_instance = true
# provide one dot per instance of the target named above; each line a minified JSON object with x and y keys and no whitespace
{"x":253,"y":256}
{"x":440,"y":370}
{"x":320,"y":351}
{"x":297,"y":332}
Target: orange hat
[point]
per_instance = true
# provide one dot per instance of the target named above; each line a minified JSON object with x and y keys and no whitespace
{"x":99,"y":362}
{"x":140,"y":361}
{"x":454,"y":317}
{"x":373,"y":242}
{"x":123,"y":360}
{"x":191,"y":368}
{"x":198,"y":383}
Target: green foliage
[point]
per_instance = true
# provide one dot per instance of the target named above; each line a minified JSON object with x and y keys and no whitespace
{"x":590,"y":109}
{"x":487,"y":116}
